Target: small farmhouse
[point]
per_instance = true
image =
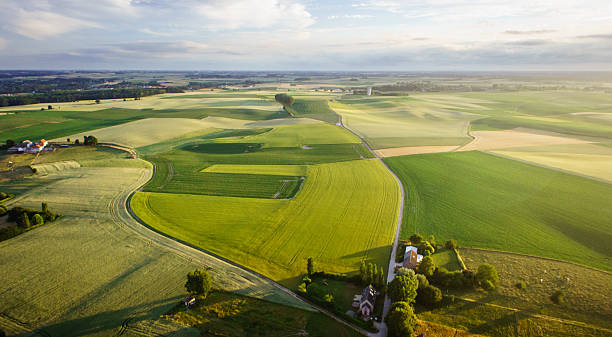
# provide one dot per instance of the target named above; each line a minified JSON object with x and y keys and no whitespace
{"x":28,"y":147}
{"x":365,"y":301}
{"x":411,"y":257}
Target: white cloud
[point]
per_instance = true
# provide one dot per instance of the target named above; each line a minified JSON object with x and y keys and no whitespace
{"x":41,"y":24}
{"x":2,"y":43}
{"x":235,"y":14}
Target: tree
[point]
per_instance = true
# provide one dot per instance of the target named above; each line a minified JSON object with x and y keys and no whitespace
{"x":426,"y":247}
{"x":369,"y":273}
{"x":10,"y":143}
{"x":3,"y":210}
{"x":429,"y":295}
{"x":97,"y":101}
{"x":415,"y":239}
{"x":310,"y":266}
{"x":38,"y":220}
{"x":374,"y":275}
{"x":451,"y":244}
{"x":362,"y":272}
{"x":328,"y":298}
{"x":401,"y":320}
{"x":50,"y":107}
{"x":284,"y":99}
{"x":381,"y":278}
{"x":432,"y":240}
{"x":423,"y":281}
{"x":302,"y":288}
{"x":24,"y":221}
{"x":76,"y":142}
{"x":404,"y":271}
{"x":487,"y":272}
{"x":198,"y":282}
{"x":403,"y":288}
{"x":44,"y":207}
{"x":90,"y":140}
{"x":427,"y":266}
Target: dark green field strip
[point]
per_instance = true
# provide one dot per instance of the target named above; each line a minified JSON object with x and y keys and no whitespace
{"x":313,"y":108}
{"x":227,"y":184}
{"x":490,"y":202}
{"x":237,"y":95}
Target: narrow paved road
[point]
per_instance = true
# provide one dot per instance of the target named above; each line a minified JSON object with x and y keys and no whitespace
{"x":382,"y":327}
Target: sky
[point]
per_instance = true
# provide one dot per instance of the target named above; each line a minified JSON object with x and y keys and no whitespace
{"x":377,"y":35}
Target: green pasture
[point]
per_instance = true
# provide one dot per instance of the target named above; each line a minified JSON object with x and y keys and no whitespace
{"x":313,"y":107}
{"x":446,"y":258}
{"x":491,"y":202}
{"x":344,"y":213}
{"x":282,"y":170}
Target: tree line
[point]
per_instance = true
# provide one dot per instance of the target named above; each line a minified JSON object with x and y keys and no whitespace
{"x":76,"y":95}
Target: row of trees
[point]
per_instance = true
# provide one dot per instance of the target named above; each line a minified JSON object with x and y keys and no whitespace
{"x":284,"y":99}
{"x":372,"y":274}
{"x":76,"y":95}
{"x":24,"y":219}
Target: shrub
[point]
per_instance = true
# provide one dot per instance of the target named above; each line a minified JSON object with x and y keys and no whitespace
{"x":310,"y":266}
{"x":403,"y":288}
{"x":487,"y":272}
{"x":198,"y":282}
{"x":399,"y":254}
{"x":401,"y":320}
{"x":520,"y":285}
{"x":415,"y":239}
{"x":24,"y":221}
{"x":488,"y":285}
{"x":423,"y":282}
{"x":38,"y":220}
{"x":3,"y":195}
{"x":451,"y":244}
{"x":9,"y":232}
{"x":425,"y":247}
{"x":328,"y":298}
{"x":302,"y":288}
{"x":404,"y":271}
{"x":3,"y":210}
{"x":558,"y":297}
{"x":306,"y":280}
{"x":427,"y":266}
{"x":429,"y":296}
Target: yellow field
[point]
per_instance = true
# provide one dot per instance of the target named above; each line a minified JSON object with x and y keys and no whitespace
{"x":408,"y":150}
{"x":491,"y":140}
{"x":154,"y":130}
{"x":281,"y":170}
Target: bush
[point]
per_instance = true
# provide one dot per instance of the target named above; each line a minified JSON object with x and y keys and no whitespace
{"x":306,"y":280}
{"x":38,"y":220}
{"x":451,"y":244}
{"x":558,"y":297}
{"x":404,"y":271}
{"x":9,"y":232}
{"x":24,"y":221}
{"x":198,"y":282}
{"x":3,"y":195}
{"x":520,"y":285}
{"x":429,"y":296}
{"x":415,"y":239}
{"x":488,"y":285}
{"x":3,"y":210}
{"x":302,"y":288}
{"x":423,"y":282}
{"x":427,"y":266}
{"x":487,"y":272}
{"x":425,"y":247}
{"x":401,"y":320}
{"x":403,"y":288}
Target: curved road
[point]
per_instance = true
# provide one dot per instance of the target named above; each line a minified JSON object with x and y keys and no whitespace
{"x":382,"y":327}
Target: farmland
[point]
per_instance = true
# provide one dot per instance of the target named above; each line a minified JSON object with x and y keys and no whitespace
{"x":506,"y":205}
{"x":110,"y":268}
{"x":340,"y":203}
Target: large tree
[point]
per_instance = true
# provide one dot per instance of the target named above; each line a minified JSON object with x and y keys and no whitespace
{"x":403,"y":288}
{"x":401,"y":320}
{"x":487,"y":274}
{"x":427,"y":266}
{"x":198,"y":282}
{"x":284,"y":99}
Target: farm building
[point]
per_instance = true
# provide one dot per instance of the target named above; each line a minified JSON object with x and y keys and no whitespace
{"x":411,"y":257}
{"x":28,"y":147}
{"x":365,"y":301}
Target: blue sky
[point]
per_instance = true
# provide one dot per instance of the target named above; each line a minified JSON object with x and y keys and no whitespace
{"x":306,"y":34}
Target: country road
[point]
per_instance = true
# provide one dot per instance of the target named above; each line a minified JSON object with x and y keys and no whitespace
{"x":382,"y":327}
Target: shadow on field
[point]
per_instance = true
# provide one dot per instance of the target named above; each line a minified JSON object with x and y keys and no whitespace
{"x":110,"y":322}
{"x":373,"y":255}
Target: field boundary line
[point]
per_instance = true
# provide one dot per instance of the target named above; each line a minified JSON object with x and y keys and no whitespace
{"x":210,"y":255}
{"x":537,"y":257}
{"x":536,"y":315}
{"x":400,"y":215}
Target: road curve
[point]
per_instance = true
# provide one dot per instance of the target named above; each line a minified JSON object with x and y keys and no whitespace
{"x":382,"y":327}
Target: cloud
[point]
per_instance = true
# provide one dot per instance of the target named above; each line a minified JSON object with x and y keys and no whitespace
{"x":234,"y":14}
{"x":2,"y":43}
{"x":350,"y":16}
{"x":529,"y":32}
{"x":596,"y":36}
{"x":40,"y":24}
{"x":528,"y":43}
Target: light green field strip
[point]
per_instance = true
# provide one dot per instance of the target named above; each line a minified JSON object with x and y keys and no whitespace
{"x":96,"y":267}
{"x":345,"y":212}
{"x":282,"y":121}
{"x":154,"y":130}
{"x":388,"y":122}
{"x":302,"y":134}
{"x":281,"y":170}
{"x":584,"y":159}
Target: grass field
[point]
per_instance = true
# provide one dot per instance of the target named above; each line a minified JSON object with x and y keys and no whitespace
{"x":344,"y":213}
{"x":446,"y":258}
{"x":106,"y":272}
{"x":586,"y":290}
{"x":387,"y":122}
{"x":282,"y":170}
{"x":491,"y":202}
{"x":313,"y":107}
{"x":227,"y":314}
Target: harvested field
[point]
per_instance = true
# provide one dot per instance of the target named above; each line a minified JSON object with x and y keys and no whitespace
{"x":490,"y":140}
{"x":409,"y":150}
{"x":344,"y":212}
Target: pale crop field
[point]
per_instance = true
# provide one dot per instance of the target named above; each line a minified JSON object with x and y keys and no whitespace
{"x":345,"y":212}
{"x":89,"y":272}
{"x":390,"y":122}
{"x":282,"y":170}
{"x":584,"y":159}
{"x":154,"y":130}
{"x":490,"y":140}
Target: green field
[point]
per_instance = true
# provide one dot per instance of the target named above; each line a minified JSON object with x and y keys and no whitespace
{"x":446,"y":258}
{"x":104,"y":268}
{"x":345,"y":212}
{"x":491,"y":202}
{"x":313,"y":107}
{"x":282,"y":170}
